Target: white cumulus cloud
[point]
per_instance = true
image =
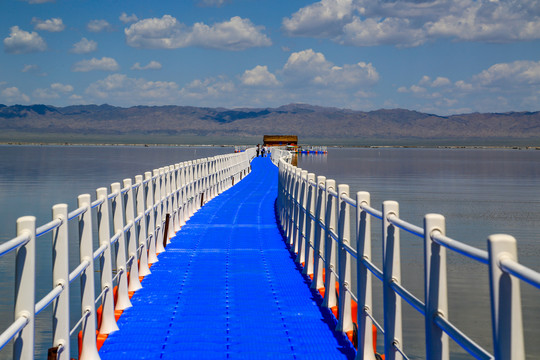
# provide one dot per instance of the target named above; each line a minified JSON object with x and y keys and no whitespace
{"x":321,"y":19}
{"x":309,"y":67}
{"x":512,"y":86}
{"x":30,"y":68}
{"x":33,"y":69}
{"x":51,"y":25}
{"x":103,"y":64}
{"x":99,"y":26}
{"x":439,"y":81}
{"x":132,"y":91}
{"x":55,"y":91}
{"x":125,"y":18}
{"x":216,"y":3}
{"x":167,"y":33}
{"x":213,"y":87}
{"x":62,"y":87}
{"x":84,"y":46}
{"x":22,"y":42}
{"x":517,"y":73}
{"x":259,"y":76}
{"x":372,"y":32}
{"x":14,"y":95}
{"x":152,"y":65}
{"x":412,"y":23}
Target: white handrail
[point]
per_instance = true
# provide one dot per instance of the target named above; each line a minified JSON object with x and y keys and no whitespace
{"x":47,"y":299}
{"x":14,"y":244}
{"x":459,"y":247}
{"x":13,"y":330}
{"x":177,"y":190}
{"x":404,"y":225}
{"x":501,"y":258}
{"x":524,"y":273}
{"x":42,"y":230}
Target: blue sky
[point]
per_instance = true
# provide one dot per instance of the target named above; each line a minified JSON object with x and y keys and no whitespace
{"x":436,"y":56}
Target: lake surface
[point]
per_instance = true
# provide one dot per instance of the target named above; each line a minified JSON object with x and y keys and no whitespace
{"x":480,"y":192}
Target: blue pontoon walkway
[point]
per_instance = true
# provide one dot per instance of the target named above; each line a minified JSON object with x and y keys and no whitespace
{"x":227,"y":287}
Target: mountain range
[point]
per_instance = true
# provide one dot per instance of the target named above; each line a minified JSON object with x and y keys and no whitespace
{"x":306,"y":121}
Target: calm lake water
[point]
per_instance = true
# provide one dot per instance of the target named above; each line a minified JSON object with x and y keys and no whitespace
{"x":480,"y":192}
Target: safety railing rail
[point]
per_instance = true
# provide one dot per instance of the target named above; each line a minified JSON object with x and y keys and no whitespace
{"x":145,"y":216}
{"x":315,"y":214}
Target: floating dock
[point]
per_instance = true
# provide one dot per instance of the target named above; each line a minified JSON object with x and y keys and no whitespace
{"x":227,"y":288}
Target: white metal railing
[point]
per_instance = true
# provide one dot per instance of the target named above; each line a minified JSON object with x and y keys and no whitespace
{"x":315,"y":217}
{"x":145,"y":216}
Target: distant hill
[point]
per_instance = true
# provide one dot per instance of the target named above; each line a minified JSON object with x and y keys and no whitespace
{"x":306,"y":121}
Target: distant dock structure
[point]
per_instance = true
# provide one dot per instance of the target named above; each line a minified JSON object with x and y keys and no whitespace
{"x":290,"y":142}
{"x":280,"y":140}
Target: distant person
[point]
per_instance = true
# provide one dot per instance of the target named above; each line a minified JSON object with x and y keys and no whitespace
{"x":258,"y":149}
{"x":263,"y":150}
{"x":267,"y":151}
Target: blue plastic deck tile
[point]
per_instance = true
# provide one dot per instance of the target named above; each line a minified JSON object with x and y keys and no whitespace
{"x":227,"y":288}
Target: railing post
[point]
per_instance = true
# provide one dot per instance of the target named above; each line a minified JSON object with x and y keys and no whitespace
{"x":224,"y":174}
{"x":189,"y":190}
{"x":281,"y":195}
{"x":507,"y":323}
{"x":168,"y":196}
{"x":185,"y":192}
{"x":182,"y":189}
{"x":330,"y":248}
{"x":61,"y":325}
{"x":318,"y":251}
{"x":88,"y":307}
{"x":181,"y":194}
{"x":219,"y":174}
{"x":122,"y":297}
{"x":25,"y":288}
{"x":158,"y":203}
{"x":192,"y":188}
{"x":214,"y":177}
{"x":141,"y":226}
{"x":108,"y":321}
{"x":435,"y":289}
{"x":196,"y":185}
{"x":283,"y":211}
{"x":302,"y":214}
{"x":284,"y":198}
{"x":206,"y":181}
{"x":166,"y":209}
{"x":174,"y":194}
{"x":210,"y":181}
{"x":296,"y":214}
{"x":310,"y":225}
{"x":345,"y":323}
{"x":363,"y":277}
{"x":151,"y":217}
{"x":134,"y":283}
{"x":391,"y":274}
{"x":230,"y":171}
{"x":290,"y":203}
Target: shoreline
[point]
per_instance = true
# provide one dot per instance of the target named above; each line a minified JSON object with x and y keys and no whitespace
{"x":479,"y":147}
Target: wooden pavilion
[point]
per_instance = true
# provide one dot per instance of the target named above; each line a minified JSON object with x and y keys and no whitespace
{"x":280,"y":140}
